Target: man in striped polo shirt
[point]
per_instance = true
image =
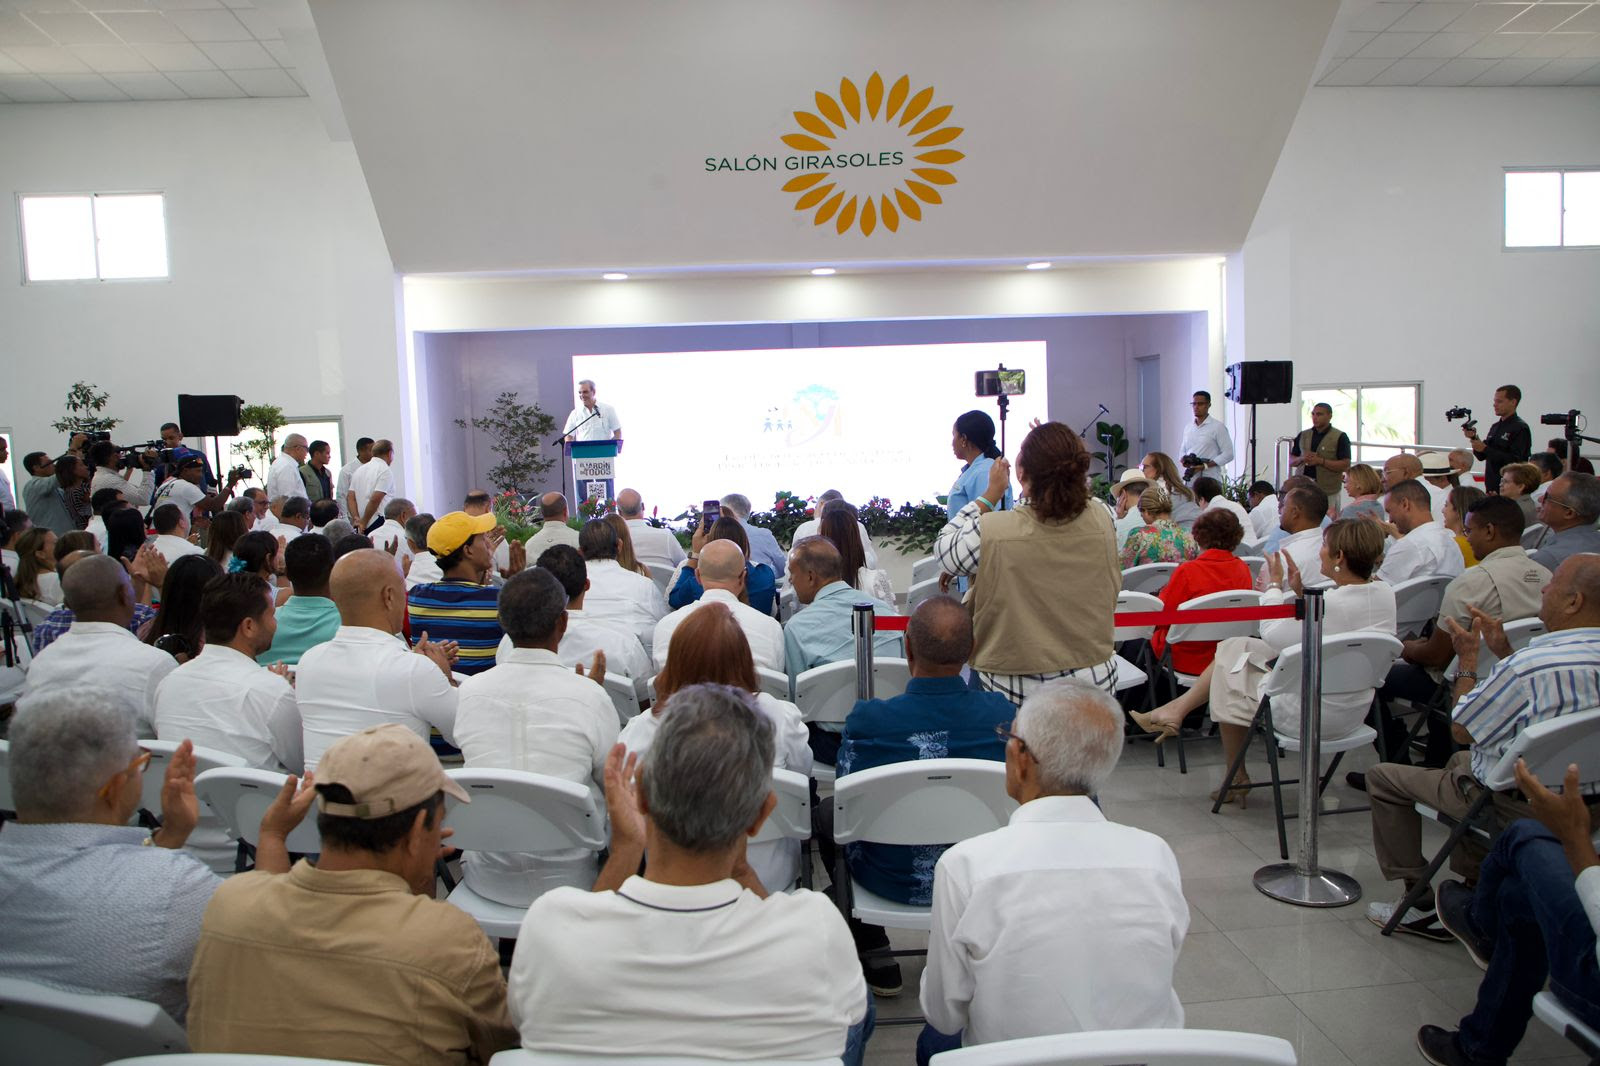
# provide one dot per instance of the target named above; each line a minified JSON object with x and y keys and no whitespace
{"x":462,"y":606}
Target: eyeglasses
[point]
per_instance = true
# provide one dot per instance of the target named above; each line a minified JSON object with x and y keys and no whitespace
{"x":1007,"y":734}
{"x":141,"y":761}
{"x":1551,"y":497}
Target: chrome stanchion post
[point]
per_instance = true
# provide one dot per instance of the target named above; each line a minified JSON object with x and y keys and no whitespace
{"x":1303,"y":882}
{"x":863,"y":625}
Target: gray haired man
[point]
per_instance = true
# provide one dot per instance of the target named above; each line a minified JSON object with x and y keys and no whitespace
{"x":693,"y":953}
{"x":763,"y":545}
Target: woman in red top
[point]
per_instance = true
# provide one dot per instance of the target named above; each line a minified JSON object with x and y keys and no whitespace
{"x":1216,"y":569}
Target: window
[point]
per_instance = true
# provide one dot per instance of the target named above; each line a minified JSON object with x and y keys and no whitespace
{"x":328,"y":429}
{"x":1377,"y":417}
{"x":102,"y":236}
{"x":1554,"y":207}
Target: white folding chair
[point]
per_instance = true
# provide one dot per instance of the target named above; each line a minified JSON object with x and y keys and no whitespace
{"x":6,"y":802}
{"x":1133,"y":673}
{"x":1548,"y":747}
{"x":517,"y":811}
{"x":523,"y":1057}
{"x":161,"y":757}
{"x":1255,"y":563}
{"x":922,"y":590}
{"x":1201,"y":631}
{"x":1126,"y":1047}
{"x":924,"y":569}
{"x":1151,"y":577}
{"x":225,"y":1058}
{"x":40,"y":1024}
{"x":1416,"y":603}
{"x":624,"y":696}
{"x":931,"y":801}
{"x":240,"y":795}
{"x":37,"y":611}
{"x":788,"y":603}
{"x":775,"y":683}
{"x":1533,"y":535}
{"x":1249,"y":548}
{"x":790,"y":819}
{"x":1550,"y":1010}
{"x":1351,"y":663}
{"x":661,"y":575}
{"x":889,"y":677}
{"x":825,"y":695}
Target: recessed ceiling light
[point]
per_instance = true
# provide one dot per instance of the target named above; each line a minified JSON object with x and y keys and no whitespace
{"x":615,"y":276}
{"x":823,"y":272}
{"x":1038,"y":266}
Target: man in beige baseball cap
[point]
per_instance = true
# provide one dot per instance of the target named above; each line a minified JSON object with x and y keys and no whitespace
{"x":353,"y":957}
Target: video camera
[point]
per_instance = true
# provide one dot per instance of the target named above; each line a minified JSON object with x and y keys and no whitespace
{"x":1462,"y":412}
{"x":142,"y":456}
{"x":1561,"y":418}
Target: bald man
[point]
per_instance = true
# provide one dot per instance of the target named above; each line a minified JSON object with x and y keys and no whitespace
{"x":55,"y":626}
{"x":650,"y":543}
{"x":365,"y":676}
{"x":1398,"y":468}
{"x":722,"y":575}
{"x":553,"y":508}
{"x":99,"y":648}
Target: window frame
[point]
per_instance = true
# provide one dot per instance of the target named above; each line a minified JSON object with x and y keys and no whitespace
{"x":22,"y":237}
{"x":1356,"y":441}
{"x":1587,"y":168}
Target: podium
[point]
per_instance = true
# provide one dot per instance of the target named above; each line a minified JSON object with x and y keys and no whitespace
{"x":594,"y":468}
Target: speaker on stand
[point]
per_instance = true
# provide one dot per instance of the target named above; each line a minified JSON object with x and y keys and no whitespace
{"x":1263,"y":381}
{"x":209,"y":416}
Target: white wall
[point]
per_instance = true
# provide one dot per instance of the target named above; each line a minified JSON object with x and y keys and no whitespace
{"x":1376,"y":255}
{"x":281,"y":287}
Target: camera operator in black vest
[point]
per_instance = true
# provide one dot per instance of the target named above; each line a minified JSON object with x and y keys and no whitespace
{"x":1509,"y":440}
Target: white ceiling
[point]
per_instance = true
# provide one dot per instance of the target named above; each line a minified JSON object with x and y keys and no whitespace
{"x":54,"y":51}
{"x":1459,"y":42}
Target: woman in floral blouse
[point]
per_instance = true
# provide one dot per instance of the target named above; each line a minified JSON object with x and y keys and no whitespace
{"x":1158,"y":540}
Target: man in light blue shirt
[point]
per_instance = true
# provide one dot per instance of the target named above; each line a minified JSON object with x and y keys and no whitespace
{"x":763,"y":545}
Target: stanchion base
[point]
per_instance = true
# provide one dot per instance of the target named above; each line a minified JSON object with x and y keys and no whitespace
{"x":1327,"y":888}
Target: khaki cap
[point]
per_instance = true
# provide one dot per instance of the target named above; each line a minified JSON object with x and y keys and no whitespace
{"x":387,"y":768}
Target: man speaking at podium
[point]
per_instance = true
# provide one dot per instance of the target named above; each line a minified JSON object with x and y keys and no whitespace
{"x":591,"y":420}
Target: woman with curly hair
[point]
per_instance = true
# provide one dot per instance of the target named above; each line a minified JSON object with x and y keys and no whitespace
{"x":1045,"y":573}
{"x":1159,"y":540}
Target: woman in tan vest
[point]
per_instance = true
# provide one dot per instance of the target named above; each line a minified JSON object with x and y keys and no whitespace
{"x":1046,"y":574}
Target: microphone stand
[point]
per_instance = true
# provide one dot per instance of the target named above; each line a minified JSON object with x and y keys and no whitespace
{"x":1084,"y":432}
{"x":561,"y":439}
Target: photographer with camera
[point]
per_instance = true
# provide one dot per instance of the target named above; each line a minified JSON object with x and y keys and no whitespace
{"x":185,"y":489}
{"x":124,"y":469}
{"x":1207,"y":447}
{"x":1509,"y":440}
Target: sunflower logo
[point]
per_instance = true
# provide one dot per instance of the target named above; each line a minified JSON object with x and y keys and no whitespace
{"x":916,"y":129}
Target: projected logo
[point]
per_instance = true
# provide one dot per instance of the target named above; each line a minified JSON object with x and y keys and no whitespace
{"x":881,"y":154}
{"x":806,"y":416}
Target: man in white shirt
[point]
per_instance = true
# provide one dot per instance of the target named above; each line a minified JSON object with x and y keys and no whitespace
{"x":390,"y":537}
{"x":650,"y":544}
{"x":618,"y":596}
{"x":763,"y":545}
{"x":722,"y":574}
{"x":1210,"y":493}
{"x":812,"y":527}
{"x":1425,"y":548}
{"x":341,"y":485}
{"x":533,"y":712}
{"x":592,"y":420}
{"x":283,"y":477}
{"x":553,"y":509}
{"x":1300,"y":516}
{"x":370,"y":486}
{"x":1263,"y":511}
{"x":171,"y":524}
{"x":1021,"y":914}
{"x":293,"y":515}
{"x":424,"y":568}
{"x":99,"y":649}
{"x":1206,"y":439}
{"x":626,"y":966}
{"x":365,"y":675}
{"x":587,"y":641}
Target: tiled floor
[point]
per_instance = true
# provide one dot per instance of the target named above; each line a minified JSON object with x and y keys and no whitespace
{"x":1324,"y":979}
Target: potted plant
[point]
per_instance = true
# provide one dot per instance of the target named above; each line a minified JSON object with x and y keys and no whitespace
{"x":84,"y":404}
{"x":517,"y":432}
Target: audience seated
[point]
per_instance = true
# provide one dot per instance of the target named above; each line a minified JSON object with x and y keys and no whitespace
{"x":309,"y":616}
{"x":391,"y":536}
{"x":35,"y":571}
{"x":227,"y":528}
{"x":629,"y":967}
{"x":461,"y":606}
{"x":13,"y":524}
{"x":1454,"y":518}
{"x":1569,"y":512}
{"x":365,"y":675}
{"x":1302,"y":514}
{"x":839,"y":525}
{"x":103,"y":501}
{"x":812,"y":527}
{"x":650,"y":544}
{"x":1437,"y":479}
{"x":1128,"y":491}
{"x":1558,"y":448}
{"x":553,"y":508}
{"x":722,"y":573}
{"x":100,"y":648}
{"x":1519,"y":481}
{"x":1158,"y":540}
{"x":1365,"y":493}
{"x":1555,"y":674}
{"x":1424,"y":547}
{"x":424,"y":567}
{"x":763,"y":545}
{"x":1062,"y":921}
{"x":171,"y":539}
{"x":760,"y":582}
{"x":323,"y":512}
{"x":1550,"y":468}
{"x":533,"y":712}
{"x":1216,"y":569}
{"x":1210,"y":493}
{"x":618,"y":596}
{"x":625,"y":556}
{"x":712,"y":649}
{"x":352,"y":958}
{"x":1163,"y":474}
{"x":1263,"y":502}
{"x":60,"y":620}
{"x":294,"y":516}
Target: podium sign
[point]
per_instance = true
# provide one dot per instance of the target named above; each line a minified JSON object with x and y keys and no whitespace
{"x":594,"y":469}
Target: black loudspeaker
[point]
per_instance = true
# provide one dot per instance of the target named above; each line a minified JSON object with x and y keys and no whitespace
{"x":1261,"y":382}
{"x":209,"y":416}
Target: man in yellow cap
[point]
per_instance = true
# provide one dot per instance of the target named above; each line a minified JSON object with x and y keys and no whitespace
{"x":352,"y":958}
{"x":462,"y":606}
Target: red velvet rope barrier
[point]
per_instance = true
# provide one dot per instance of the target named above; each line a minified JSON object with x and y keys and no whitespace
{"x":897,"y":623}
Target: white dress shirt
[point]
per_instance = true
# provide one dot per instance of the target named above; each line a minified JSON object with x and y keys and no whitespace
{"x":97,"y":529}
{"x":222,"y":699}
{"x":653,"y":545}
{"x":602,"y":427}
{"x":1429,"y":550}
{"x":585,"y":635}
{"x":550,"y":534}
{"x":1060,"y":922}
{"x":108,"y":655}
{"x":812,"y":527}
{"x":532,"y":712}
{"x":761,"y":630}
{"x":424,"y":570}
{"x":708,"y":968}
{"x":374,"y":478}
{"x":49,"y":588}
{"x":776,"y":862}
{"x":1305,"y":548}
{"x":283,"y":478}
{"x":392,"y":532}
{"x":624,"y":598}
{"x":1209,"y":440}
{"x":1222,"y":503}
{"x":135,"y":488}
{"x":341,"y":484}
{"x":1365,"y":608}
{"x":365,"y":677}
{"x":1437,"y":495}
{"x":173,"y":548}
{"x":1263,"y":518}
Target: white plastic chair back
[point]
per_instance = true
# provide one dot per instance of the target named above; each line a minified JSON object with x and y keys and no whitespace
{"x":1249,"y":549}
{"x":1145,"y":1047}
{"x":1217,"y":630}
{"x":924,"y":569}
{"x":1416,"y":602}
{"x":1533,"y":534}
{"x":1518,"y":634}
{"x":40,"y":1024}
{"x":791,"y":818}
{"x":889,"y":676}
{"x":788,"y":603}
{"x":931,"y":801}
{"x":161,"y":756}
{"x":240,"y":795}
{"x":1351,"y":662}
{"x":1151,"y":577}
{"x":661,"y":575}
{"x":6,"y":803}
{"x":1128,"y":602}
{"x":1254,"y":562}
{"x":775,"y":683}
{"x":826,"y":693}
{"x":515,"y":810}
{"x":922,"y":590}
{"x":36,"y":610}
{"x":1549,"y":747}
{"x":523,"y":1057}
{"x":624,"y":697}
{"x":1550,"y":1010}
